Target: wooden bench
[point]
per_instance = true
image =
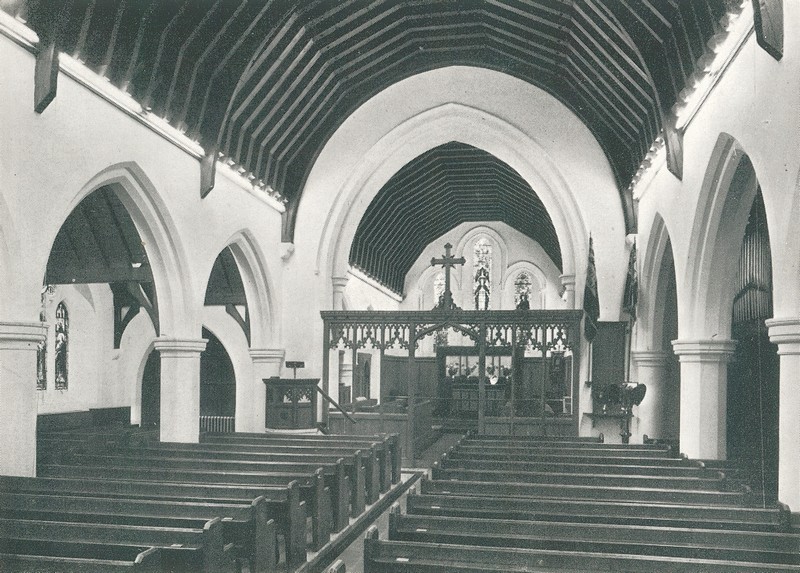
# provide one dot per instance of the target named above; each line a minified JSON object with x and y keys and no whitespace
{"x":283,"y":503}
{"x":312,"y":486}
{"x":590,"y":479}
{"x":182,"y":549}
{"x":64,"y":557}
{"x":387,"y":446}
{"x":353,"y":464}
{"x":478,"y":463}
{"x":692,"y":543}
{"x":388,"y":556}
{"x":335,"y":475}
{"x":569,"y":459}
{"x":623,"y":513}
{"x":608,"y":451}
{"x":247,"y":526}
{"x":588,"y":492}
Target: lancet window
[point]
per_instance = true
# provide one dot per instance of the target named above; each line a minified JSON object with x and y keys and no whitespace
{"x":522,"y":290}
{"x":41,"y":359}
{"x":482,"y":273}
{"x":62,"y":347}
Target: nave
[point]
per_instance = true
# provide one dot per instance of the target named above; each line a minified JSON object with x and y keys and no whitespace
{"x":111,"y":498}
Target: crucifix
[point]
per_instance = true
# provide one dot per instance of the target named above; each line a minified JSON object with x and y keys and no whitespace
{"x":448,"y":261}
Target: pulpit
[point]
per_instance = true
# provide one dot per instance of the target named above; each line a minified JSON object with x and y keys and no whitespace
{"x":291,"y":403}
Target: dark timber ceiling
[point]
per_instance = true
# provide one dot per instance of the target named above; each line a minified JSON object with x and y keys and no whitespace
{"x":435,"y":192}
{"x":267,"y":82}
{"x":98,"y":243}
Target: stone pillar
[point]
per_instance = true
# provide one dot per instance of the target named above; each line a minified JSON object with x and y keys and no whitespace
{"x":785,"y":332}
{"x":267,"y":363}
{"x":18,"y":344}
{"x":338,"y":292}
{"x":651,"y":370}
{"x":180,"y":388}
{"x":568,"y":282}
{"x":704,"y":393}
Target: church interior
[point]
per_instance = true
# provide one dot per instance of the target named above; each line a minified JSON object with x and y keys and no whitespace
{"x":399,"y":285}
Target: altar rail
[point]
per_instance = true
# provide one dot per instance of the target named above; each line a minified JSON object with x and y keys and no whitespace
{"x":223,"y":424}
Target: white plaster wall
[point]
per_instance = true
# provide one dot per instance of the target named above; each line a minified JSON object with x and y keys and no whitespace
{"x":51,"y":160}
{"x":361,"y":294}
{"x":128,"y":362}
{"x":755,"y":104}
{"x":520,"y":124}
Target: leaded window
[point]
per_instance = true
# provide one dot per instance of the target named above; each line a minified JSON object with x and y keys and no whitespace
{"x":62,"y":347}
{"x":482,"y":272}
{"x":522,"y":290}
{"x":41,"y":359}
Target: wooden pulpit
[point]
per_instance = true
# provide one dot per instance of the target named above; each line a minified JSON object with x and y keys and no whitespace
{"x":291,"y":403}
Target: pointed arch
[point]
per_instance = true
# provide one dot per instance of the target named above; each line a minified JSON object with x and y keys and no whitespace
{"x":723,"y":208}
{"x":258,"y":285}
{"x":434,"y":127}
{"x":654,"y":285}
{"x":161,"y":240}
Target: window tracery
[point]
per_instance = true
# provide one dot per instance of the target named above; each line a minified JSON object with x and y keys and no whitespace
{"x":482,"y":272}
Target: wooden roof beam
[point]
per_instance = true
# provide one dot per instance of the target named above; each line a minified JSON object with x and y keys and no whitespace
{"x":768,"y":17}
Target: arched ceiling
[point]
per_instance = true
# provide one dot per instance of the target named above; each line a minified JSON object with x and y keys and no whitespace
{"x":267,"y":82}
{"x":435,"y":192}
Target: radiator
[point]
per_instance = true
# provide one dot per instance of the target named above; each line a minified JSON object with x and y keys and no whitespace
{"x":226,"y":424}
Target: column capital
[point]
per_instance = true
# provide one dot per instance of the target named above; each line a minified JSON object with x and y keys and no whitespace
{"x":650,"y":358}
{"x":21,"y":335}
{"x":267,"y":355}
{"x":708,"y":350}
{"x":179,"y":347}
{"x":339,"y":283}
{"x":785,"y":332}
{"x":567,"y":280}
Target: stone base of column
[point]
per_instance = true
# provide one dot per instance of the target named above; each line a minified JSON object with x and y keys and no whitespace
{"x":704,"y":395}
{"x":786,"y":334}
{"x":18,"y":409}
{"x":267,"y":363}
{"x":180,"y":388}
{"x":651,"y":370}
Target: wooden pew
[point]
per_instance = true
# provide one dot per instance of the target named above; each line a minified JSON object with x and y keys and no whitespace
{"x":260,"y":452}
{"x":335,"y":475}
{"x":478,"y":463}
{"x":588,"y":492}
{"x":312,"y":486}
{"x":353,"y":464}
{"x":64,"y":557}
{"x":472,"y":436}
{"x":182,"y":549}
{"x":569,"y":459}
{"x":608,"y":450}
{"x":590,"y":479}
{"x":388,"y":446}
{"x":693,"y":543}
{"x":387,"y":556}
{"x":283,"y":503}
{"x":246,"y":525}
{"x":623,"y":513}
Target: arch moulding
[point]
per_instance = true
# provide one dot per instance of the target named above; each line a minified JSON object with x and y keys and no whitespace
{"x":429,"y":129}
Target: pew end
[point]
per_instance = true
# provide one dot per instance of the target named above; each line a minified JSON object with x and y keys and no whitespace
{"x":337,"y":567}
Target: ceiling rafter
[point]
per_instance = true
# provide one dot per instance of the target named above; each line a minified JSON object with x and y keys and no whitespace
{"x":268,"y":82}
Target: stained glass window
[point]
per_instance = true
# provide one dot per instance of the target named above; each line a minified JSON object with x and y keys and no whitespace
{"x":62,"y":347}
{"x":41,"y":359}
{"x":440,"y":338}
{"x":482,"y":272}
{"x":522,"y":290}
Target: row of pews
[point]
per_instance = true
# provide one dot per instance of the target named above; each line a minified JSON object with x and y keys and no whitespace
{"x":116,"y":499}
{"x":579,"y":505}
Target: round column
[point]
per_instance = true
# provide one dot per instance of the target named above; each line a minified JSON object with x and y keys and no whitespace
{"x":180,"y":388}
{"x":785,"y":332}
{"x":651,"y":370}
{"x":704,"y":395}
{"x":568,"y":282}
{"x":338,"y":292}
{"x":267,"y":363}
{"x":19,"y":342}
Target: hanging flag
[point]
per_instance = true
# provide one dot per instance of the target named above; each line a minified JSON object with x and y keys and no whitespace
{"x":631,"y":295}
{"x":591,"y":301}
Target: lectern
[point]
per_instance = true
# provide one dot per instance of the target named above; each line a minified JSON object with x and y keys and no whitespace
{"x":291,"y":403}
